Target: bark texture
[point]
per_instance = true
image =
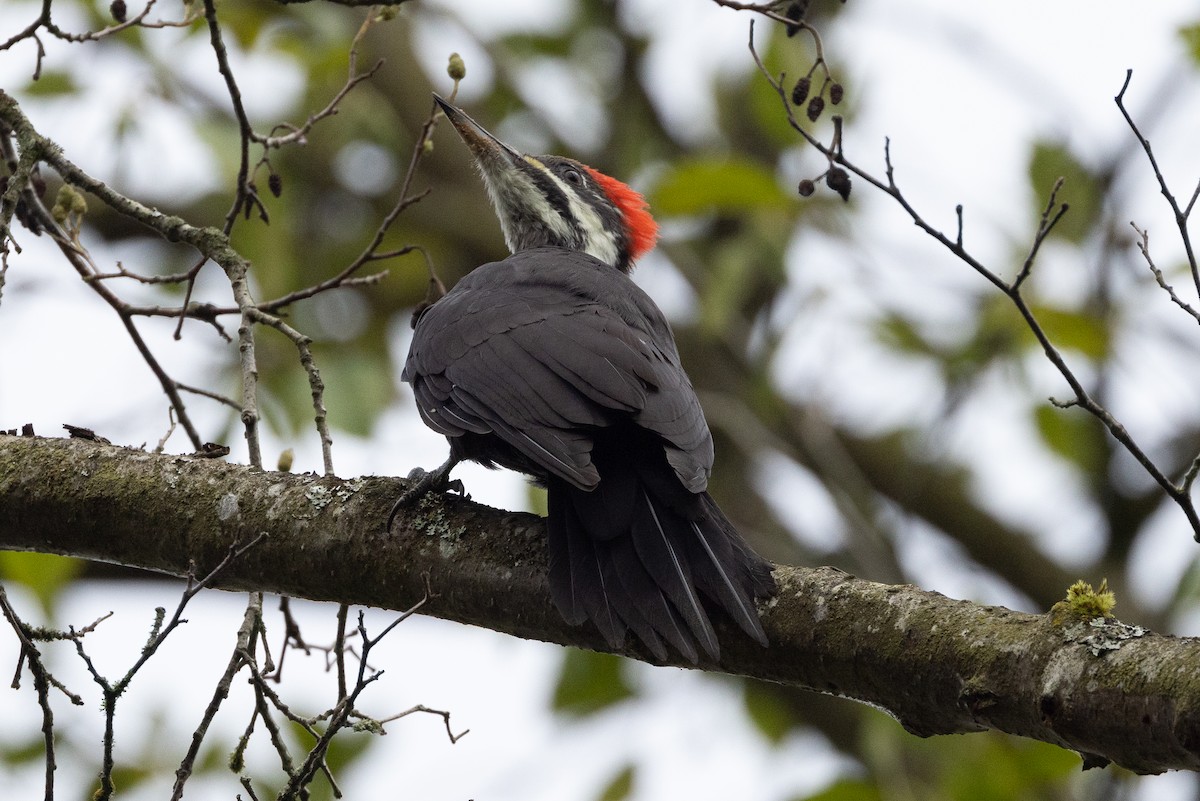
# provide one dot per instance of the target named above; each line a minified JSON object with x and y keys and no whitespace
{"x":1111,"y":691}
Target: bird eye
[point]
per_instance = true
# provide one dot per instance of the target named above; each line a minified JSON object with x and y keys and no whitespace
{"x":572,"y":176}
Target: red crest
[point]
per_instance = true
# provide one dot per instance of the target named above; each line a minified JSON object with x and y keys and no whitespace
{"x":639,"y":225}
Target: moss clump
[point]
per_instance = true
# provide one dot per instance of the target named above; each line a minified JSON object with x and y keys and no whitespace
{"x":1083,"y":602}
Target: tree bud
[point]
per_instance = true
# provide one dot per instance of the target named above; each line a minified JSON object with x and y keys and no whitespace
{"x":457,"y":68}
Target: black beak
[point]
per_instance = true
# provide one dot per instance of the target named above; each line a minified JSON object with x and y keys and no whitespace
{"x":487,"y":149}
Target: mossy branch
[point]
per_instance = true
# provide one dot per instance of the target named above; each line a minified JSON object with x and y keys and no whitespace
{"x":939,"y":665}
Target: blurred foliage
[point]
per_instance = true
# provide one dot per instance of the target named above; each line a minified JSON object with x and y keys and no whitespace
{"x":1191,"y":39}
{"x":846,"y":790}
{"x":621,"y":785}
{"x":733,"y":220}
{"x":725,"y":185}
{"x":984,"y":767}
{"x":590,"y":682}
{"x":1080,"y":189}
{"x":772,"y":719}
{"x":45,"y":575}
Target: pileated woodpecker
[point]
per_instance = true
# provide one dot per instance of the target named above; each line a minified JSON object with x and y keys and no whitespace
{"x":554,"y":363}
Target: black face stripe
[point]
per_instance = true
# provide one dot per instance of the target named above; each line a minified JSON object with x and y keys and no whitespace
{"x":590,"y":193}
{"x":558,"y":201}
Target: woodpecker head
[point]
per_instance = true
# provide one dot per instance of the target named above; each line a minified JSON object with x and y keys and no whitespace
{"x":556,"y":201}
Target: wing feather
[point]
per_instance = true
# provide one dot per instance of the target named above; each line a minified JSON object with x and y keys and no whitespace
{"x":541,"y":347}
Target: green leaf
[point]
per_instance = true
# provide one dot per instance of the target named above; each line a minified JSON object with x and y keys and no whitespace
{"x":744,"y":274}
{"x":528,"y":45}
{"x":246,"y":21}
{"x":43,"y":573}
{"x":983,"y":767}
{"x":590,"y":682}
{"x":30,"y":750}
{"x":620,"y":787}
{"x":537,"y":499}
{"x":1080,"y":331}
{"x":1072,"y":434}
{"x":1080,"y":190}
{"x":357,"y":380}
{"x":1188,"y":588}
{"x":901,"y":335}
{"x":1190,"y":34}
{"x":847,"y":790}
{"x":52,"y":83}
{"x":770,"y":717}
{"x":1016,"y":769}
{"x":727,"y":185}
{"x":126,"y":777}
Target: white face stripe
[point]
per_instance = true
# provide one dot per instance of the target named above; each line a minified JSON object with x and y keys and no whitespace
{"x":597,"y":239}
{"x":529,"y":218}
{"x":520,"y":191}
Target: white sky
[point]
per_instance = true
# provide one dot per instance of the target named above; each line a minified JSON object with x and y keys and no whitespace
{"x":959,"y":88}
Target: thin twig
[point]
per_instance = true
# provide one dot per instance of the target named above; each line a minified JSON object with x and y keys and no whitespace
{"x":454,"y":738}
{"x":1181,"y":215}
{"x":41,"y":686}
{"x":1045,"y":226}
{"x":244,"y":195}
{"x":1143,"y":245}
{"x":251,"y":620}
{"x":315,"y":383}
{"x":1179,"y":494}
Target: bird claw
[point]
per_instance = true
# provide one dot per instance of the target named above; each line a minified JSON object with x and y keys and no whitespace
{"x":427,"y":481}
{"x":423,"y":482}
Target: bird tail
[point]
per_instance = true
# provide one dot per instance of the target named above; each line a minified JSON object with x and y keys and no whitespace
{"x":642,"y":553}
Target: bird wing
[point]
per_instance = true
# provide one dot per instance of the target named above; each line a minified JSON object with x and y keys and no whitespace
{"x":545,"y":345}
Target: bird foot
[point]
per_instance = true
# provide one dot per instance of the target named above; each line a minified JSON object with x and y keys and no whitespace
{"x":423,"y":482}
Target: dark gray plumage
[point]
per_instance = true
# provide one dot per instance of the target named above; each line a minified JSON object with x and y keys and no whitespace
{"x":557,"y":365}
{"x":554,"y":363}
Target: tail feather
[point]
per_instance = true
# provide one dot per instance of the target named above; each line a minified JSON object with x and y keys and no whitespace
{"x":573,"y":566}
{"x":626,"y":571}
{"x":655,"y":537}
{"x":714,"y":579}
{"x":629,"y":559}
{"x":563,"y":591}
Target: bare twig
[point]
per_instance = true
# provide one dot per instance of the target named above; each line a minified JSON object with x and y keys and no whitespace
{"x":1179,"y":493}
{"x":1143,"y":245}
{"x":44,"y":21}
{"x":251,"y":621}
{"x":244,"y":194}
{"x":316,"y":385}
{"x":41,"y":686}
{"x":454,"y":738}
{"x":1181,"y":214}
{"x":339,"y":649}
{"x":297,"y":134}
{"x":1044,"y":228}
{"x":112,"y":691}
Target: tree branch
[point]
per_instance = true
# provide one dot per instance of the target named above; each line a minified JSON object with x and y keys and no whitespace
{"x":940,"y":666}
